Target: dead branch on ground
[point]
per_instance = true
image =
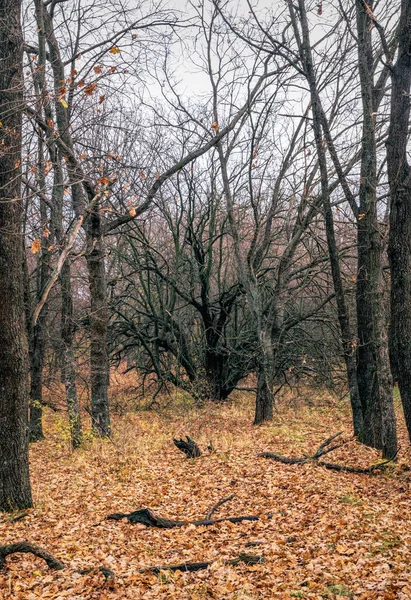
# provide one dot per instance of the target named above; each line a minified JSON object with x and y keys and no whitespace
{"x":323,"y":449}
{"x":217,"y":506}
{"x":147,"y":517}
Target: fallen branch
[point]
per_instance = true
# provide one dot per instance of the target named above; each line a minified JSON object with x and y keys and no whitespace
{"x":52,"y":562}
{"x":248,"y":559}
{"x":217,"y":506}
{"x":189,"y":447}
{"x":26,"y":547}
{"x":147,"y":517}
{"x":321,"y":451}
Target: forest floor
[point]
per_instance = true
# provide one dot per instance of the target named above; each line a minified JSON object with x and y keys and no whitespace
{"x":323,"y":534}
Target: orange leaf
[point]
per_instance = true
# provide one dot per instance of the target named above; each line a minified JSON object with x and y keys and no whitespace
{"x":132,"y":211}
{"x":36,"y":245}
{"x":90,"y":89}
{"x":114,"y":50}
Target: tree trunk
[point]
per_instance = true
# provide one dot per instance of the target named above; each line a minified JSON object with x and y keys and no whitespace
{"x":69,"y":359}
{"x":342,"y":310}
{"x":264,"y":402}
{"x":399,"y":244}
{"x":38,"y":342}
{"x":374,"y":376}
{"x":15,"y":489}
{"x":99,"y":363}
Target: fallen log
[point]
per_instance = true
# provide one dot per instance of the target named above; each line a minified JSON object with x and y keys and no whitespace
{"x":189,"y":447}
{"x":51,"y":561}
{"x":248,"y":559}
{"x":147,"y":517}
{"x":323,"y":449}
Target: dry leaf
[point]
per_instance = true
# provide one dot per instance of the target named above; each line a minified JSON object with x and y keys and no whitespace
{"x":35,"y":246}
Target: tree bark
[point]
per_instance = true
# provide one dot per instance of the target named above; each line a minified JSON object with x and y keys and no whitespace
{"x":342,"y":309}
{"x":69,"y":359}
{"x":99,"y":363}
{"x":15,"y":489}
{"x":399,"y":244}
{"x":374,"y":376}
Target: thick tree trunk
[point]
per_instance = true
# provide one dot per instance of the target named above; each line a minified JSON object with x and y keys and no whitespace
{"x":374,"y":376}
{"x":399,"y":245}
{"x":14,"y":467}
{"x":99,"y":363}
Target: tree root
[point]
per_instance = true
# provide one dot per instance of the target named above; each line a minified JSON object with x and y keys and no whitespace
{"x":147,"y":517}
{"x":51,"y":561}
{"x":248,"y":559}
{"x":323,"y":449}
{"x":26,"y":547}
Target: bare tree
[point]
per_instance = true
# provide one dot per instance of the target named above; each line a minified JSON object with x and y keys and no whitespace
{"x":14,"y":467}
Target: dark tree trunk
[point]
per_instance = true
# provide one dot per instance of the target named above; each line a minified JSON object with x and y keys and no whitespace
{"x":69,"y":359}
{"x":14,"y":467}
{"x":38,"y":341}
{"x":399,"y":245}
{"x":264,"y":403}
{"x":374,"y":376}
{"x":99,"y":363}
{"x":342,"y":310}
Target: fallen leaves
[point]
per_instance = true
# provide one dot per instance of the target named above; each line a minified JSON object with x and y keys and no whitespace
{"x":322,"y":533}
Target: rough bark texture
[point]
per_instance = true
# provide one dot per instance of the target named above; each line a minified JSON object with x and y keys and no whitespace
{"x":14,"y":469}
{"x":399,"y":245}
{"x":99,"y":364}
{"x":69,"y":360}
{"x":374,"y":376}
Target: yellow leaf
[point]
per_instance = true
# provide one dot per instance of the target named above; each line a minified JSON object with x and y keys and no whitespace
{"x":36,"y":245}
{"x":132,"y":211}
{"x":63,"y":102}
{"x":114,"y":50}
{"x":37,"y":573}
